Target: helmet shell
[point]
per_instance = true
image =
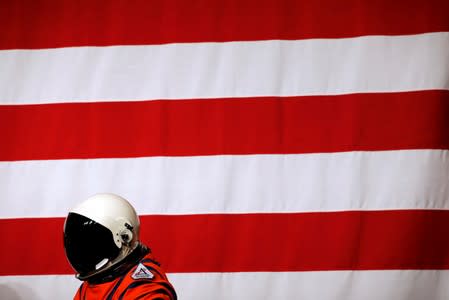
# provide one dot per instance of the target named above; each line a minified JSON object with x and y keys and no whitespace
{"x":99,"y":233}
{"x":113,"y":212}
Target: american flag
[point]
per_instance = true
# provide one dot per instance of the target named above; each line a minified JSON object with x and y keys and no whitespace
{"x":274,"y":149}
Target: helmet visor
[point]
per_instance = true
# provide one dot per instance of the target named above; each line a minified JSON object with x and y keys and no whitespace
{"x":87,"y":243}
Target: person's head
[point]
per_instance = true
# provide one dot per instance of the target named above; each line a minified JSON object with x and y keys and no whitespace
{"x":99,"y":234}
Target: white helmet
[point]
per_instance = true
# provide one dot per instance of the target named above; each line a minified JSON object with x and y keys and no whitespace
{"x":99,"y":233}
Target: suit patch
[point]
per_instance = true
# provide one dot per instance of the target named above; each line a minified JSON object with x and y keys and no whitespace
{"x":142,"y":272}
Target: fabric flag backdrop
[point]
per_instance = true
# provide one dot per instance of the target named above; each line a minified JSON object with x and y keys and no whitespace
{"x":274,"y":149}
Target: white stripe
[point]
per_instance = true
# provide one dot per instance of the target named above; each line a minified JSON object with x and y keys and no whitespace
{"x":233,"y":69}
{"x":331,"y":285}
{"x":232,"y":184}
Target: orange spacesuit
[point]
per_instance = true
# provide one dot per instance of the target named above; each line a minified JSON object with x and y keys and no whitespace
{"x":144,"y":281}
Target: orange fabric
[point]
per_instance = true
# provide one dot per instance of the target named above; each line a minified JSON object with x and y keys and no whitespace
{"x":126,"y":287}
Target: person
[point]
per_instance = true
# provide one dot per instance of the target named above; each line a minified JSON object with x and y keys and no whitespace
{"x":101,"y":242}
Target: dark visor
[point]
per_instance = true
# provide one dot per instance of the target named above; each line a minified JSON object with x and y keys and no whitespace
{"x":87,"y":243}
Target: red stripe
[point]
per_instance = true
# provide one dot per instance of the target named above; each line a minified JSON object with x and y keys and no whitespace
{"x":54,"y":23}
{"x":358,"y":240}
{"x":392,"y":121}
